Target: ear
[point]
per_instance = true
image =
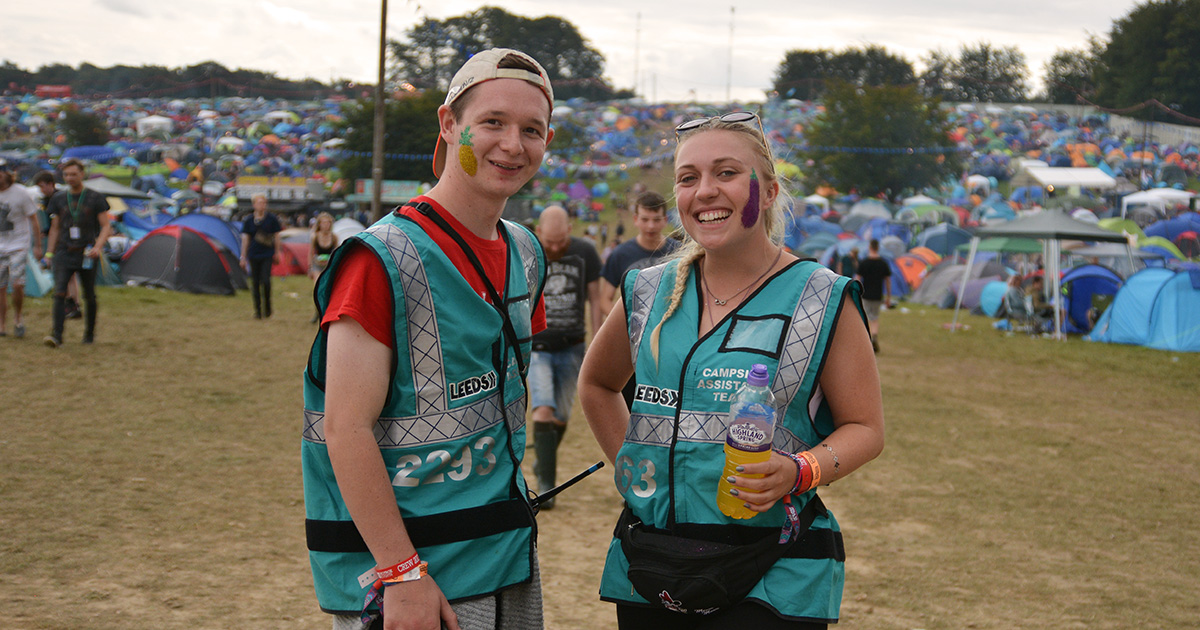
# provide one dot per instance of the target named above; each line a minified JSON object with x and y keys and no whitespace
{"x":769,"y":193}
{"x":446,"y":124}
{"x":549,"y":135}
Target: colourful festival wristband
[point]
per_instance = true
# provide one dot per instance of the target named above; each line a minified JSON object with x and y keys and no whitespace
{"x":816,"y":468}
{"x":803,"y":472}
{"x":398,"y":570}
{"x":414,"y":574}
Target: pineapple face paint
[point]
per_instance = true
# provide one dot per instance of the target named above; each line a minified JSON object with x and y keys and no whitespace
{"x":750,"y":211}
{"x":466,"y":157}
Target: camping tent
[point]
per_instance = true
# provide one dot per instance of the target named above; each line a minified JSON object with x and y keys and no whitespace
{"x":1158,"y":308}
{"x":1085,"y":287}
{"x":179,"y":258}
{"x":151,"y":124}
{"x":935,"y":287}
{"x":213,"y":227}
{"x":109,"y":188}
{"x":942,"y":238}
{"x":1050,"y":226}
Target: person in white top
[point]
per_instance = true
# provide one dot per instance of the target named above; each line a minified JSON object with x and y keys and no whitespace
{"x":18,"y":226}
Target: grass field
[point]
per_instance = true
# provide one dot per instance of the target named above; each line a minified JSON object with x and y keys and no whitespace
{"x":153,"y":479}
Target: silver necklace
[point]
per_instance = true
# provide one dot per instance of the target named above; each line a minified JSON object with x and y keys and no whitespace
{"x":719,"y":302}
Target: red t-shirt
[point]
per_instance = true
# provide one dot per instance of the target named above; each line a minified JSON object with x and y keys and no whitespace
{"x":361,"y":292}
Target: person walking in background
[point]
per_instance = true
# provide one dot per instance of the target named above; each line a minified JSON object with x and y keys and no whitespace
{"x":79,"y":228}
{"x":45,"y":183}
{"x":572,"y":293}
{"x":260,"y":249}
{"x":692,"y":329}
{"x":320,"y":247}
{"x":645,"y":250}
{"x":415,"y":395}
{"x":19,"y":229}
{"x":848,"y":264}
{"x":875,"y":273}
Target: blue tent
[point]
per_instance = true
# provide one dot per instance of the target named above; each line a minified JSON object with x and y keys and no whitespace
{"x":136,"y":226}
{"x":942,"y":238}
{"x":1083,"y":286}
{"x":215,"y":228}
{"x":1157,"y":307}
{"x":1170,"y":229}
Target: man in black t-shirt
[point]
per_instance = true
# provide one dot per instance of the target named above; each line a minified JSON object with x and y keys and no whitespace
{"x":572,"y":281}
{"x":260,"y":249}
{"x":875,"y":273}
{"x":79,"y":228}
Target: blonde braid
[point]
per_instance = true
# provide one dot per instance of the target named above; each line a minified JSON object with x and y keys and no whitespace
{"x":689,"y":252}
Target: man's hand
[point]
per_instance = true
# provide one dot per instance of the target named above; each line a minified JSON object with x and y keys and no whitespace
{"x":418,"y":605}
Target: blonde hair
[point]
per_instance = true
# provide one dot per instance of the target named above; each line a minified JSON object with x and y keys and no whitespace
{"x":772,"y":217}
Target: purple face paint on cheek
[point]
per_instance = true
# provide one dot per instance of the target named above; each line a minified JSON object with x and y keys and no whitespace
{"x":750,"y":212}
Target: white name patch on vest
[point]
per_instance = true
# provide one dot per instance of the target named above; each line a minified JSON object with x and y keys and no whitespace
{"x":474,"y":385}
{"x":658,"y":396}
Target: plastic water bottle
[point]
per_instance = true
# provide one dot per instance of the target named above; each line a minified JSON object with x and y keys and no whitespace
{"x":88,"y":261}
{"x":748,"y":439}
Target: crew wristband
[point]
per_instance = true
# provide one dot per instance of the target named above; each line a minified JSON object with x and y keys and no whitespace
{"x":399,"y":569}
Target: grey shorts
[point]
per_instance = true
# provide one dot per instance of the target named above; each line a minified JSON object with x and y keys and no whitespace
{"x":12,"y":269}
{"x":518,"y":608}
{"x":871,"y":308}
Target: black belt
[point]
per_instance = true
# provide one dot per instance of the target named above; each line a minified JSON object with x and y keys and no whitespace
{"x":426,"y":531}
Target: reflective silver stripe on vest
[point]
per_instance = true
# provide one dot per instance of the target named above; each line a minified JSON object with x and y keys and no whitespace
{"x":425,"y":349}
{"x":641,"y":299}
{"x":430,"y":428}
{"x":803,"y":334}
{"x":529,"y":257}
{"x":649,"y":429}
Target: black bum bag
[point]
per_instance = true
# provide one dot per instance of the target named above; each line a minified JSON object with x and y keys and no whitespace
{"x":703,"y":568}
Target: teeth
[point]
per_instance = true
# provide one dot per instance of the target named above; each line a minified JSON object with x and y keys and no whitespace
{"x":712,"y":215}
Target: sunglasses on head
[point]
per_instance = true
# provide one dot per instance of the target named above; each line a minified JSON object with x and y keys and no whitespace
{"x":732,"y":117}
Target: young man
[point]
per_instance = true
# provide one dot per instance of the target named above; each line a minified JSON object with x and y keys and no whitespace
{"x":44,"y":180}
{"x":414,"y":393}
{"x":877,"y":290}
{"x":19,"y":227}
{"x":260,"y":249}
{"x":79,"y":228}
{"x":646,"y":250}
{"x":572,"y":289}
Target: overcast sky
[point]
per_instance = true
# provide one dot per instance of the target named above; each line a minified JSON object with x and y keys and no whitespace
{"x":683,"y":50}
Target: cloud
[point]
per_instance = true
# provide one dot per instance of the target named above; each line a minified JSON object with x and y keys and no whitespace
{"x":124,"y":6}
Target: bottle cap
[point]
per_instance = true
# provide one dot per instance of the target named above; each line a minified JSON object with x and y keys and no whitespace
{"x":758,"y":375}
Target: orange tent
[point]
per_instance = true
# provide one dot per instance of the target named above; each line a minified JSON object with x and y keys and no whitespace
{"x":927,"y":254}
{"x":913,"y":269}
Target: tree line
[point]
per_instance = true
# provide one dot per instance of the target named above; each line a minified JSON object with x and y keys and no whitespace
{"x":1151,"y":53}
{"x":207,"y":79}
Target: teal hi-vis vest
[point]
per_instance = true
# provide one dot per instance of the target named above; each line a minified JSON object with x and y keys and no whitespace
{"x":672,"y":458}
{"x":451,"y":432}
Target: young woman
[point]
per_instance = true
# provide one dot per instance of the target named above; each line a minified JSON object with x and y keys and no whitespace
{"x":322,"y":244}
{"x":692,"y":329}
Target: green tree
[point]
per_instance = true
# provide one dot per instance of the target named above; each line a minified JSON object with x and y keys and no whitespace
{"x":82,"y":128}
{"x":434,"y":49}
{"x":1153,"y":52}
{"x":992,"y":74}
{"x":802,"y":73}
{"x":411,"y":130}
{"x":879,"y":139}
{"x":937,"y":80}
{"x":1070,"y":73}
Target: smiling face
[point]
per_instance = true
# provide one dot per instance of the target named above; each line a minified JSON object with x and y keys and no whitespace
{"x":505,"y":126}
{"x":715,"y":171}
